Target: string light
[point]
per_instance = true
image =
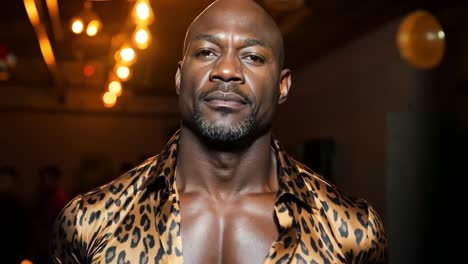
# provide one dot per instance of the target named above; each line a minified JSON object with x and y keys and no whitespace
{"x":142,"y":16}
{"x":87,"y":20}
{"x":77,"y":26}
{"x":109,"y":99}
{"x":142,"y":37}
{"x":123,"y":72}
{"x":126,"y":56}
{"x":115,"y":87}
{"x":93,"y":27}
{"x":142,"y":13}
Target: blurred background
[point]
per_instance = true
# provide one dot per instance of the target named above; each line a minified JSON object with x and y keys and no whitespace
{"x":378,"y":105}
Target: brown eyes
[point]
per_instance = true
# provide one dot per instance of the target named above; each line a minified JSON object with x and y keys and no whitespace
{"x":254,"y":59}
{"x":205,"y":53}
{"x":208,"y":54}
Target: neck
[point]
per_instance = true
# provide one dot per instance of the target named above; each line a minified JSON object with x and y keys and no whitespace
{"x":225,"y":174}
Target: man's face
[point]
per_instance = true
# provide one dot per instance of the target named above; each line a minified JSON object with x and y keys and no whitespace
{"x":230,"y":79}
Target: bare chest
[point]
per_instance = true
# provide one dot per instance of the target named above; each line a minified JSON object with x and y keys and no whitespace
{"x":236,"y":232}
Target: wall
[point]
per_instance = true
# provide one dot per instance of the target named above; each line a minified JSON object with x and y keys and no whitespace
{"x":86,"y":140}
{"x":400,"y":132}
{"x":347,"y":95}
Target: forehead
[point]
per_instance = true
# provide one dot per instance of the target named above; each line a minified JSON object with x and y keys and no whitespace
{"x":241,"y":23}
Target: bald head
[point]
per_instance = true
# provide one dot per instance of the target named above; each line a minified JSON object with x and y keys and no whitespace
{"x":226,"y":14}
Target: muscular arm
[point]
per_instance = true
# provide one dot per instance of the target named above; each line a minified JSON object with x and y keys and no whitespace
{"x":68,"y":245}
{"x":376,"y":239}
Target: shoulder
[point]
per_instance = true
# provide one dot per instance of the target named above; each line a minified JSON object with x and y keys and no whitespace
{"x":118,"y":192}
{"x":329,"y":196}
{"x":353,"y":221}
{"x":87,"y":215}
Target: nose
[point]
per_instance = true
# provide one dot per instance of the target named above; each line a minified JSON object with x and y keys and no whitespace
{"x":228,"y":68}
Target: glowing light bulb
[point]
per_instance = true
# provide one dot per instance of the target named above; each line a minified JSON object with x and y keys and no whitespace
{"x":93,"y":28}
{"x":77,"y":26}
{"x":142,"y":38}
{"x":142,"y":10}
{"x":142,"y":13}
{"x":115,"y":87}
{"x":109,"y":99}
{"x":123,"y":72}
{"x":127,"y":54}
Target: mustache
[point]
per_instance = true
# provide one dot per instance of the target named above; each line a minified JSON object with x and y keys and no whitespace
{"x":226,"y":88}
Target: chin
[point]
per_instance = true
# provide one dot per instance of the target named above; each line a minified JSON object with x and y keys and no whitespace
{"x":225,"y":131}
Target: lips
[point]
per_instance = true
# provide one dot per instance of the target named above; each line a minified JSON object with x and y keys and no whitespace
{"x":225,"y":96}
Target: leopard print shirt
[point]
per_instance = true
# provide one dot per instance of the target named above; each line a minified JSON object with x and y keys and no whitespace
{"x":135,"y":219}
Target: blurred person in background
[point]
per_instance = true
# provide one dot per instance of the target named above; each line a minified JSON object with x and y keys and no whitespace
{"x":50,"y":199}
{"x":12,"y":220}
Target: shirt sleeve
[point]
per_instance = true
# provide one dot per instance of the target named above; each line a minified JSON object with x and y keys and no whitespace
{"x":376,"y":237}
{"x":67,"y":244}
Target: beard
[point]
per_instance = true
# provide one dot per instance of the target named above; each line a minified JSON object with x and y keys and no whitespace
{"x":222,"y":133}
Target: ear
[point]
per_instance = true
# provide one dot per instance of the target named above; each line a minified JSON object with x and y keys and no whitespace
{"x":177,"y":77}
{"x":284,"y":85}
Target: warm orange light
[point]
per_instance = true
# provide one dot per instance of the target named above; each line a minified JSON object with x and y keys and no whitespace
{"x":142,"y":38}
{"x":87,"y":20}
{"x":41,"y":33}
{"x":421,"y":40}
{"x":31,"y":9}
{"x":109,"y":99}
{"x":142,"y":12}
{"x":26,"y":261}
{"x":115,"y":87}
{"x":123,"y":72}
{"x":52,"y":7}
{"x":4,"y":76}
{"x":46,"y":48}
{"x":93,"y":28}
{"x":77,"y":26}
{"x":127,"y":55}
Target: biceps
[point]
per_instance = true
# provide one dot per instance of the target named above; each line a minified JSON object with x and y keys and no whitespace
{"x":377,"y":238}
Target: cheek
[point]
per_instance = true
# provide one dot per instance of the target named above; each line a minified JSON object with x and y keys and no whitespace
{"x":185,"y":93}
{"x":264,"y":83}
{"x":264,"y":92}
{"x":266,"y":101}
{"x":191,"y":84}
{"x":193,"y":80}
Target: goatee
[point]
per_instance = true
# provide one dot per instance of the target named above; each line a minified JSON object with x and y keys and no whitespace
{"x":218,"y":133}
{"x":224,"y":133}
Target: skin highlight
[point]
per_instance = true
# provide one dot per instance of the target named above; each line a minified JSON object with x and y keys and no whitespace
{"x":229,"y":84}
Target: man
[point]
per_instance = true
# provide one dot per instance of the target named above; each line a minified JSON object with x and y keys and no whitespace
{"x":222,"y":190}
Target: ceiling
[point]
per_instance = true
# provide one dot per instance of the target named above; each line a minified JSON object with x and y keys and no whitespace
{"x":310,"y":32}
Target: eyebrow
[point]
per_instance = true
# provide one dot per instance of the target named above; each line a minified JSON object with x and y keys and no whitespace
{"x":247,"y":42}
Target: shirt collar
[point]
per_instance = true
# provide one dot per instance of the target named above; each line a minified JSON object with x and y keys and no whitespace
{"x":163,"y":167}
{"x":292,"y":178}
{"x":291,"y":174}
